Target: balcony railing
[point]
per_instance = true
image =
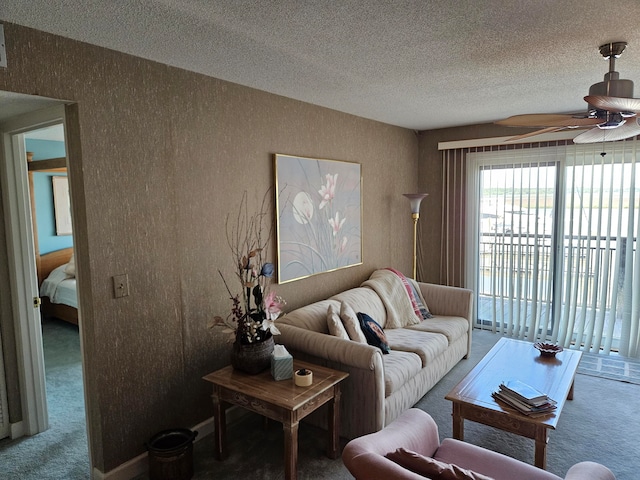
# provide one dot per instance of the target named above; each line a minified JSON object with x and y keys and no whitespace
{"x":516,"y":283}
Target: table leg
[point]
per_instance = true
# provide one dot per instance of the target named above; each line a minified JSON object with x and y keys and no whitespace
{"x":541,"y":448}
{"x":333,"y":443}
{"x":458,"y":422}
{"x":220,"y":423}
{"x":290,"y":449}
{"x":570,"y":396}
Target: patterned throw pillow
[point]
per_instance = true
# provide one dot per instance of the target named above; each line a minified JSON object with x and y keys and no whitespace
{"x":373,"y":332}
{"x":334,"y":324}
{"x":432,"y":468}
{"x":351,"y":323}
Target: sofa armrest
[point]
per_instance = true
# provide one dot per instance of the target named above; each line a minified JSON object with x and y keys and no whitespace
{"x":363,"y":392}
{"x":451,"y":302}
{"x":589,"y":471}
{"x":345,"y":352}
{"x":447,"y":301}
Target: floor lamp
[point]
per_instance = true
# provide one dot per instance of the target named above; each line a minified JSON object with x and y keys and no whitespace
{"x":415,"y":199}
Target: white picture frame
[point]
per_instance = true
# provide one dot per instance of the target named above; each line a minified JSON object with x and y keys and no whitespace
{"x":62,"y":205}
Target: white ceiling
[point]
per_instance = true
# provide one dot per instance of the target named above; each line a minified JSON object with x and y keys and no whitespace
{"x":416,"y":64}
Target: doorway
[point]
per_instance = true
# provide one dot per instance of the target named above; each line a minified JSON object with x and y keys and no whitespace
{"x":22,"y":116}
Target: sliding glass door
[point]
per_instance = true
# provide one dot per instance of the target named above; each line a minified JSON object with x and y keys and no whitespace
{"x":514,"y":249}
{"x":600,"y":308}
{"x":555,"y":254}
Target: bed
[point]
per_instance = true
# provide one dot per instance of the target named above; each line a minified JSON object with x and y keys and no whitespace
{"x":57,"y":282}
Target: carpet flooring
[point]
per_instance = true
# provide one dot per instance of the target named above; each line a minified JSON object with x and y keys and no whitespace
{"x":601,"y":424}
{"x":61,"y":451}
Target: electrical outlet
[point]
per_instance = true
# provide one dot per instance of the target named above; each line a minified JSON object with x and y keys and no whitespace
{"x":3,"y":50}
{"x":121,"y":286}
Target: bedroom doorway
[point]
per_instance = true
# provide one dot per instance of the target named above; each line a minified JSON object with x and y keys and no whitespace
{"x":29,"y":363}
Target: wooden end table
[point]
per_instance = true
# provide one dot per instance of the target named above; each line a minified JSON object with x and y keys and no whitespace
{"x":282,"y":401}
{"x":514,"y":360}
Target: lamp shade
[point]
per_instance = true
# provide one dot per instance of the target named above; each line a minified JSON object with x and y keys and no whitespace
{"x":415,"y":199}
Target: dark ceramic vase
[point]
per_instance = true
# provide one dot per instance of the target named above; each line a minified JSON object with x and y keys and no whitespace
{"x":252,"y":358}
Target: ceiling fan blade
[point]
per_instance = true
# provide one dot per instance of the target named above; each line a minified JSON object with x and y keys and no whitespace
{"x":614,"y":104}
{"x":631,"y":128}
{"x":531,"y":134}
{"x":548,"y":120}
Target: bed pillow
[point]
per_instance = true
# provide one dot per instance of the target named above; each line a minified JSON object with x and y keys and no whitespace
{"x":432,"y":468}
{"x":70,"y":269}
{"x":373,"y":332}
{"x":334,"y":323}
{"x":351,"y":323}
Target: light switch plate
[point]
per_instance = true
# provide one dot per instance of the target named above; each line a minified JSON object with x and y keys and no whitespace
{"x":120,"y":285}
{"x":3,"y":50}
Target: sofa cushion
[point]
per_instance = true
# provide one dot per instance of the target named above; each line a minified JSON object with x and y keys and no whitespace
{"x":451,"y":327}
{"x":373,"y":332}
{"x":432,"y":468}
{"x":351,"y":323}
{"x":363,"y":299}
{"x":334,"y":323}
{"x":399,"y":367}
{"x":427,"y":345}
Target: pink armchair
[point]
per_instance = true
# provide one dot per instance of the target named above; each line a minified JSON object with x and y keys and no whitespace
{"x":416,"y":431}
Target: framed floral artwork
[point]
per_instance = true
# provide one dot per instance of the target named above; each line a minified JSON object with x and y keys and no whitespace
{"x":319,"y":216}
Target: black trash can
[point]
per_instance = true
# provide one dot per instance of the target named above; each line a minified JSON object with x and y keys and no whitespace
{"x":171,"y":455}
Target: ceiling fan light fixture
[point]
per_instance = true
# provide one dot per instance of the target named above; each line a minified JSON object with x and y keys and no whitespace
{"x":613,"y":120}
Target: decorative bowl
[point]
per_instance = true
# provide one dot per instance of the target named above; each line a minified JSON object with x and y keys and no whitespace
{"x":548,"y":349}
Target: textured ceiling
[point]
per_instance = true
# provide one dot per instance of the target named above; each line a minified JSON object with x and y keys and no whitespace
{"x":417,"y":64}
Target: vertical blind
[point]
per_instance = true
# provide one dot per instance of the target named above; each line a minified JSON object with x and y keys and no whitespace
{"x":550,"y":234}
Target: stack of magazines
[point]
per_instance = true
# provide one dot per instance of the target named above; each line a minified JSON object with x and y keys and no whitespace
{"x":524,"y":398}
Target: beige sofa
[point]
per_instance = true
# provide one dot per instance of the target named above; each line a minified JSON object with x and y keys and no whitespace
{"x":380,"y":386}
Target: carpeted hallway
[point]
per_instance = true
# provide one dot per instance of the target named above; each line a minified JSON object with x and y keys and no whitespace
{"x":61,"y":451}
{"x":600,"y":424}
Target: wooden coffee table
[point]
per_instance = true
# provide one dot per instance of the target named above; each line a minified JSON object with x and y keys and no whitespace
{"x":282,"y":401}
{"x":518,"y":360}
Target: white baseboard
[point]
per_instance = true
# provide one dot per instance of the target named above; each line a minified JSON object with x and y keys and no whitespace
{"x":140,"y":464}
{"x":17,"y":430}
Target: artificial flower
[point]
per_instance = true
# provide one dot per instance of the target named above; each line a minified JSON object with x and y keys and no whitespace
{"x":255,"y":309}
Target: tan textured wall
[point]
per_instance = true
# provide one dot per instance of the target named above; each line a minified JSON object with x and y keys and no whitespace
{"x":159,"y":157}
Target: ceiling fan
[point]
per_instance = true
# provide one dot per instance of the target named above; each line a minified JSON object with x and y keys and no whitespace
{"x":612,"y":112}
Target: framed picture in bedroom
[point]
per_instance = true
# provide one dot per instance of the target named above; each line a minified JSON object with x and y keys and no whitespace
{"x":318,"y":216}
{"x":62,"y":205}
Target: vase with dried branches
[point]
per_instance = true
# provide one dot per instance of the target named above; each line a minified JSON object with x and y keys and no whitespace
{"x":251,"y":321}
